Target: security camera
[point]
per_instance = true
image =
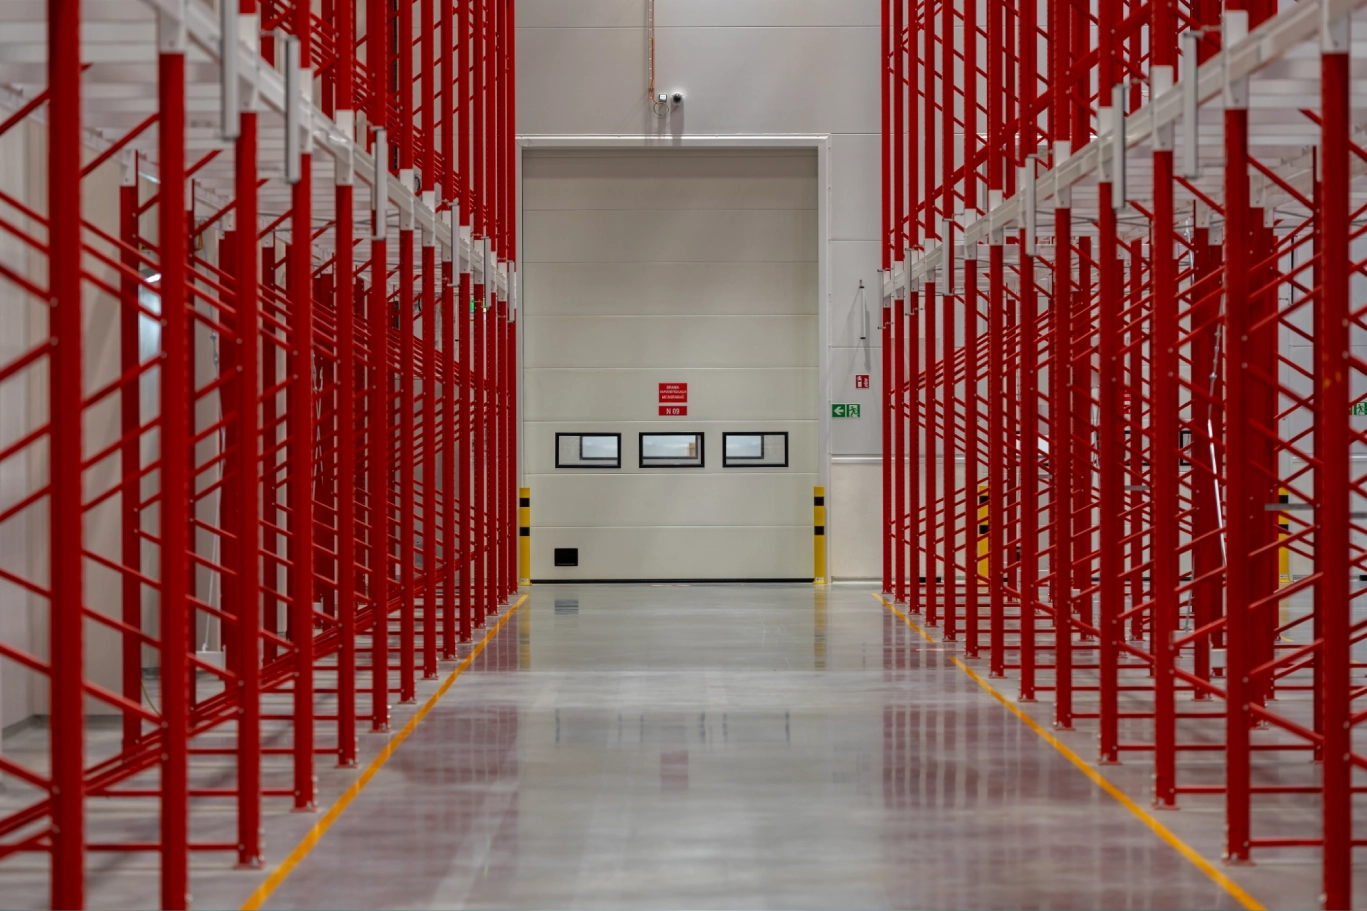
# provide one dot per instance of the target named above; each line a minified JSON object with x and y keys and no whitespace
{"x":678,"y":97}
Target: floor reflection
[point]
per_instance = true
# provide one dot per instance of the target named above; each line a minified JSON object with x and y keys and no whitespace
{"x":729,"y":746}
{"x":994,"y":815}
{"x":819,"y":627}
{"x":446,"y":804}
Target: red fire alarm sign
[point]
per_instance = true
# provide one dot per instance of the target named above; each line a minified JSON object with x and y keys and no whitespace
{"x":673,"y":392}
{"x":861,"y":381}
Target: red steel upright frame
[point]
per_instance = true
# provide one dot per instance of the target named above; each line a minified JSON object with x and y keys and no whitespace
{"x":1155,"y":382}
{"x":332,"y":435}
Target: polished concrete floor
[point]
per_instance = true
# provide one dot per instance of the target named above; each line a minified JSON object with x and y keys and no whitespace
{"x":726,"y":747}
{"x":704,"y":746}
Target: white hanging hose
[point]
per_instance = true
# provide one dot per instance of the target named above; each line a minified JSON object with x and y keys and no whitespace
{"x":864,"y":326}
{"x":650,"y":92}
{"x":1210,"y":435}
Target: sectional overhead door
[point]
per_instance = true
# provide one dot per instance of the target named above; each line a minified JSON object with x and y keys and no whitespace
{"x":670,"y":294}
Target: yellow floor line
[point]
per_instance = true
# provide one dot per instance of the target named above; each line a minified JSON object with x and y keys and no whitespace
{"x":1162,"y":831}
{"x":905,"y":619}
{"x":302,"y":849}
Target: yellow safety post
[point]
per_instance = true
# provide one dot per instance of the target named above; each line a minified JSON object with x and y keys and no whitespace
{"x":524,"y":535}
{"x":1283,"y":553}
{"x":819,"y":536}
{"x":1283,"y":560}
{"x":982,"y":530}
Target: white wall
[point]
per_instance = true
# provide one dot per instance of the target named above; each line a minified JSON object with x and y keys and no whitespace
{"x":18,"y":312}
{"x":24,"y":618}
{"x":753,"y":68}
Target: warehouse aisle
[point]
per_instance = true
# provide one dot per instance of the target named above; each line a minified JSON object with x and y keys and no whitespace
{"x":729,"y":746}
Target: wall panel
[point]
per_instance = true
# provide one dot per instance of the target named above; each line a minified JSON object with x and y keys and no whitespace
{"x":653,"y":267}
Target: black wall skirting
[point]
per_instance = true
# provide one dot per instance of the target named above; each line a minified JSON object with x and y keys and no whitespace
{"x":807,"y":581}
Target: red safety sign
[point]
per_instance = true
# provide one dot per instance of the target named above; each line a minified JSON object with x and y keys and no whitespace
{"x":673,"y":392}
{"x":673,"y":411}
{"x":861,"y":381}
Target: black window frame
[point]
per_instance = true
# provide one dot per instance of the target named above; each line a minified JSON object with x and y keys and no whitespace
{"x":753,"y":461}
{"x":592,"y":462}
{"x":641,"y":447}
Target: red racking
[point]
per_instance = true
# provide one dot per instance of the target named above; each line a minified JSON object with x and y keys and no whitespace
{"x":331,"y":491}
{"x":1150,"y":384}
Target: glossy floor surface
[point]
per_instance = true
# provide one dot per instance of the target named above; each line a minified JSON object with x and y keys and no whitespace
{"x":728,"y":747}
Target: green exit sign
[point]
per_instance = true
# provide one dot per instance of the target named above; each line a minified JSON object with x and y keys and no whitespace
{"x":1359,"y":409}
{"x":844,"y":411}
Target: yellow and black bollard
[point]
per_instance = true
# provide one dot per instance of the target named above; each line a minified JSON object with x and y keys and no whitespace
{"x":1283,"y":560}
{"x":524,"y":536}
{"x":982,"y":530}
{"x":819,"y":535}
{"x":1284,"y":531}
